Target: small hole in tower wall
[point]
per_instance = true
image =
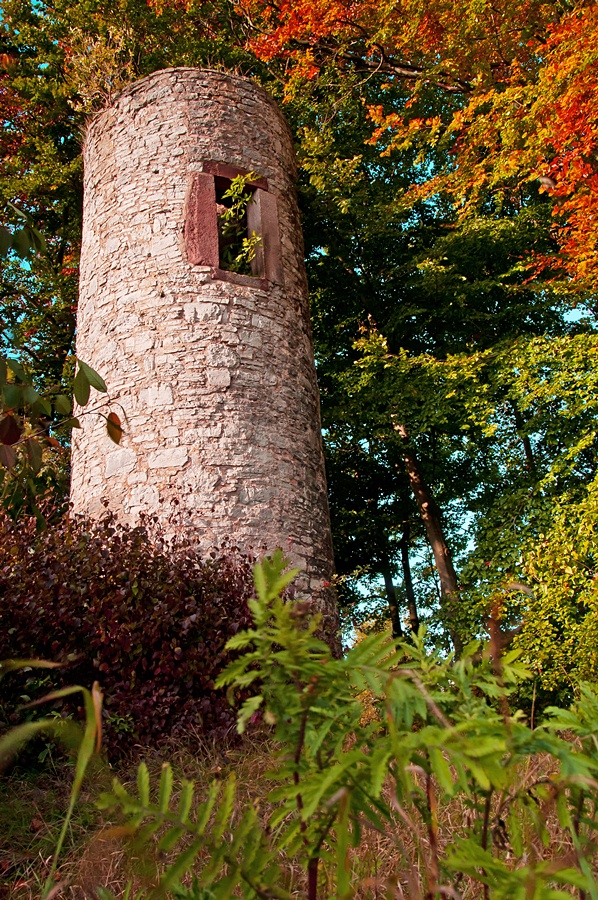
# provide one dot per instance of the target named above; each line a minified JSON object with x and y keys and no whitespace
{"x":239,"y":238}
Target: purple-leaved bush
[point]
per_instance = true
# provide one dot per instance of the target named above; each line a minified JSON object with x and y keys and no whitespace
{"x":147,"y":619}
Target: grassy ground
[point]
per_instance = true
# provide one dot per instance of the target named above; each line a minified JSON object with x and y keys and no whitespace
{"x":32,"y":805}
{"x":33,"y":801}
{"x":32,"y":808}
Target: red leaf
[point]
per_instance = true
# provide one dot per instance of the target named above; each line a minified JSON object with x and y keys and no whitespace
{"x":7,"y":456}
{"x":115,"y":431}
{"x":10,"y":430}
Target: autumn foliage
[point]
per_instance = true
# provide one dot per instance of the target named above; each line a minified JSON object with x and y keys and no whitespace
{"x":147,"y":620}
{"x":447,"y":180}
{"x":520,"y":109}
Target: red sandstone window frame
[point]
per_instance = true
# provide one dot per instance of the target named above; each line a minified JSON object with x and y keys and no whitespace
{"x":201,"y":226}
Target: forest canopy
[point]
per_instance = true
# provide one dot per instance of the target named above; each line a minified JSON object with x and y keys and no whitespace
{"x":448,"y":167}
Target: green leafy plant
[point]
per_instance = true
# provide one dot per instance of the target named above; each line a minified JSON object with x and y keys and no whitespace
{"x":31,"y":423}
{"x":88,"y":743}
{"x":442,"y":739}
{"x":237,"y":248}
{"x":35,"y":418}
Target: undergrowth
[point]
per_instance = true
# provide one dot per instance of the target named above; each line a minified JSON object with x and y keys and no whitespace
{"x":444,"y":792}
{"x":147,"y":619}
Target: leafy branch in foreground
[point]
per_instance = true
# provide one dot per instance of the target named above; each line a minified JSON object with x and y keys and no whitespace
{"x":241,"y":860}
{"x":468,"y":799}
{"x":443,"y":736}
{"x":28,"y":420}
{"x":67,"y":731}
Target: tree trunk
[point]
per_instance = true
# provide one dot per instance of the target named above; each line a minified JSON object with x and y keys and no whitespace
{"x":391,"y":596}
{"x":527,"y":446}
{"x":407,"y":580}
{"x":430,"y":514}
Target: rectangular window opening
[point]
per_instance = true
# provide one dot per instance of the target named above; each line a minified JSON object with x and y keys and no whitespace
{"x":239,"y":231}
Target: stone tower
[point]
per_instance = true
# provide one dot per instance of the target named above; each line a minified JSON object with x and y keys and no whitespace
{"x":211,"y":371}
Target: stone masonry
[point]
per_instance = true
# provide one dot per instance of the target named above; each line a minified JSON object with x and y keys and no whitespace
{"x":211,"y":372}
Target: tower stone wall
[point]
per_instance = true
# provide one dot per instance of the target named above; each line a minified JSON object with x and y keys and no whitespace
{"x":211,"y":372}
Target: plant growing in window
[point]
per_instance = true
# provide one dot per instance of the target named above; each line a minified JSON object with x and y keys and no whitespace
{"x":237,"y":248}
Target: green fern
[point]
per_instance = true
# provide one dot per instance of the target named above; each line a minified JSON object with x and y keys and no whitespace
{"x":186,"y":833}
{"x":443,"y":734}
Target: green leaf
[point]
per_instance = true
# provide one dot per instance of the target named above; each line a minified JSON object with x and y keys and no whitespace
{"x":30,"y":395}
{"x":20,"y":213}
{"x":240,"y":641}
{"x":12,"y":741}
{"x":95,"y":380}
{"x":185,"y":800}
{"x":379,"y":768}
{"x":106,"y":894}
{"x":480,"y":776}
{"x":5,"y":240}
{"x":120,"y":792}
{"x":170,"y":839}
{"x":165,"y":787}
{"x":69,"y":423}
{"x":62,"y":405}
{"x":34,"y":454}
{"x":13,"y":396}
{"x":18,"y":369}
{"x":13,"y":665}
{"x":38,"y":241}
{"x":205,"y":810}
{"x":21,"y":242}
{"x":278,"y":586}
{"x":225,"y":810}
{"x":441,"y":770}
{"x":486,"y":747}
{"x":143,"y":784}
{"x":81,"y":387}
{"x":251,"y":705}
{"x":44,"y":405}
{"x":179,"y":868}
{"x":260,"y":581}
{"x":321,"y":784}
{"x":144,"y":832}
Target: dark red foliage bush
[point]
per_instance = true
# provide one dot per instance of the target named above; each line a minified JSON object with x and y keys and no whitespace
{"x":148,"y":620}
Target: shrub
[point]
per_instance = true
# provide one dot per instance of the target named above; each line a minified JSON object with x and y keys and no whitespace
{"x":465,"y":799}
{"x":457,"y":795}
{"x":148,"y":620}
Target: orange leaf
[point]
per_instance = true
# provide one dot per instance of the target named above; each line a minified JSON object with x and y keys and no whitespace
{"x":114,"y":428}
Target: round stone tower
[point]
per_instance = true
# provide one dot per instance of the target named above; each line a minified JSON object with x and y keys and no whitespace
{"x":210,"y":370}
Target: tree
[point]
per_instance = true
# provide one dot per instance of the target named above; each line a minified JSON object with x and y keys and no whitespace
{"x":396,"y":290}
{"x":447,"y":186}
{"x":58,"y":64}
{"x":33,"y":465}
{"x":519,"y":81}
